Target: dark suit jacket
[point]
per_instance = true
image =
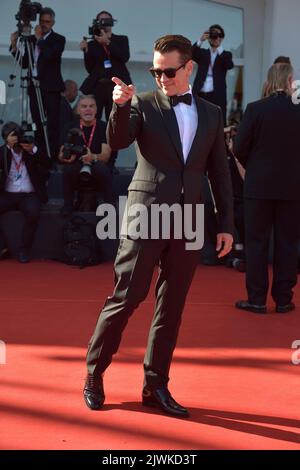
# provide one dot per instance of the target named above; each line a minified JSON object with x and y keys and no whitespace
{"x":38,"y":170}
{"x":161,"y":172}
{"x":222,"y":63}
{"x":267,"y":145}
{"x":94,"y":62}
{"x":49,"y":62}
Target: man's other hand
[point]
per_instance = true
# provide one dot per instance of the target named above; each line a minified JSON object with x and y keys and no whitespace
{"x":224,"y":244}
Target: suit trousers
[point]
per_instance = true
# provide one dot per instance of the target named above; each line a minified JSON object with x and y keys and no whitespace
{"x":261,"y":215}
{"x":213,"y":98}
{"x":30,"y":206}
{"x":103,"y":95}
{"x":134,"y":266}
{"x":51,"y":104}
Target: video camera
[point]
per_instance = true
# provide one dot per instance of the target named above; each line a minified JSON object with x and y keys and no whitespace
{"x":28,"y":12}
{"x":101,"y":25}
{"x":72,"y":147}
{"x":215,"y":33}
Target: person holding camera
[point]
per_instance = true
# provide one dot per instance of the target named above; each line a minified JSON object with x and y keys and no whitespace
{"x":104,"y":57}
{"x":47,"y":49}
{"x":85,"y":154}
{"x":24,"y":172}
{"x":213,"y":64}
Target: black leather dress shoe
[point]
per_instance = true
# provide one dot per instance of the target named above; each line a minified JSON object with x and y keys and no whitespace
{"x":24,"y":257}
{"x":245,"y":305}
{"x":162,"y":398}
{"x":285,"y":308}
{"x":5,"y":254}
{"x":93,"y":392}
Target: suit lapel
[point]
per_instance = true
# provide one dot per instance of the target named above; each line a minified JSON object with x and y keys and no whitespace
{"x":201,"y":129}
{"x":170,"y":121}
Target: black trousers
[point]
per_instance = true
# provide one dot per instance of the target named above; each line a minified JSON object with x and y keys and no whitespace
{"x":134,"y":266}
{"x":103,"y":95}
{"x":261,"y":216}
{"x":51,"y":104}
{"x":102,"y":179}
{"x":30,"y":206}
{"x":212,"y":98}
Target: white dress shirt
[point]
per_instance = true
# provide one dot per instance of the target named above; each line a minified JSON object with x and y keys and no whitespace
{"x":208,"y":85}
{"x":187,"y":119}
{"x":36,"y":54}
{"x":18,"y":181}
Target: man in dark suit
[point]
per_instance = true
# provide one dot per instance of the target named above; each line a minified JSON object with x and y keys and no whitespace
{"x":267,"y":146}
{"x":178,"y":137}
{"x":213,"y":63}
{"x":24,"y":172}
{"x":46,"y":50}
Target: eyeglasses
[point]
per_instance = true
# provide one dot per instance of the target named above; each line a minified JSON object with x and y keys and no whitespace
{"x":170,"y":72}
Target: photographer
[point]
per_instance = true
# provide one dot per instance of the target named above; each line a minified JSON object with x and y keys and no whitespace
{"x":213,"y":63}
{"x":105,"y":56}
{"x":24,"y":172}
{"x":88,"y":147}
{"x":47,"y":49}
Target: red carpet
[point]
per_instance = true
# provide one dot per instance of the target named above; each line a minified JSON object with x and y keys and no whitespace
{"x":231,"y":369}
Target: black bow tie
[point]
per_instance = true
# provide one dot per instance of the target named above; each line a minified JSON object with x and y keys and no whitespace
{"x":187,"y":99}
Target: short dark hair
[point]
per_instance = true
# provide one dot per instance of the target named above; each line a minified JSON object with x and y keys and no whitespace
{"x":174,"y":42}
{"x":106,"y":13}
{"x":48,"y":11}
{"x":282,"y":59}
{"x":9,"y":127}
{"x":217,"y":26}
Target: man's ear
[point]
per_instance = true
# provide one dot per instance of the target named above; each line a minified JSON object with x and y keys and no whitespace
{"x":190,"y":67}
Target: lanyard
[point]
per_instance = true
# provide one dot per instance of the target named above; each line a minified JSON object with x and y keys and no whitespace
{"x":89,"y":143}
{"x":107,"y":51}
{"x":18,"y":165}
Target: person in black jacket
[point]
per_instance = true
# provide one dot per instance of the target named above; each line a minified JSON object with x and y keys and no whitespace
{"x":213,"y":63}
{"x":47,"y":49}
{"x":24,"y":172}
{"x":92,"y":138}
{"x":267,"y":145}
{"x":104,"y":57}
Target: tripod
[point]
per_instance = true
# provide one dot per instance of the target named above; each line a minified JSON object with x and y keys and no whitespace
{"x":25,"y":51}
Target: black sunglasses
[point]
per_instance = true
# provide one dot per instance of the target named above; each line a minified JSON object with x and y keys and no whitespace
{"x":170,"y":72}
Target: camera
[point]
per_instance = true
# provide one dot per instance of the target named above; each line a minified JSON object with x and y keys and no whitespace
{"x":73,"y":147}
{"x":28,"y":12}
{"x":215,"y":34}
{"x":100,"y":25}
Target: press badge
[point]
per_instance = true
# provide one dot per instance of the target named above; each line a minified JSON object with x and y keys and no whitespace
{"x":107,"y":64}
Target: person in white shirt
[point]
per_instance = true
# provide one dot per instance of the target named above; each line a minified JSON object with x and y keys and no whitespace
{"x":23,"y":175}
{"x":213,"y":63}
{"x":178,"y":136}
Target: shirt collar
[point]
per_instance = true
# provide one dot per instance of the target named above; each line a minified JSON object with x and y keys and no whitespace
{"x":186,"y":92}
